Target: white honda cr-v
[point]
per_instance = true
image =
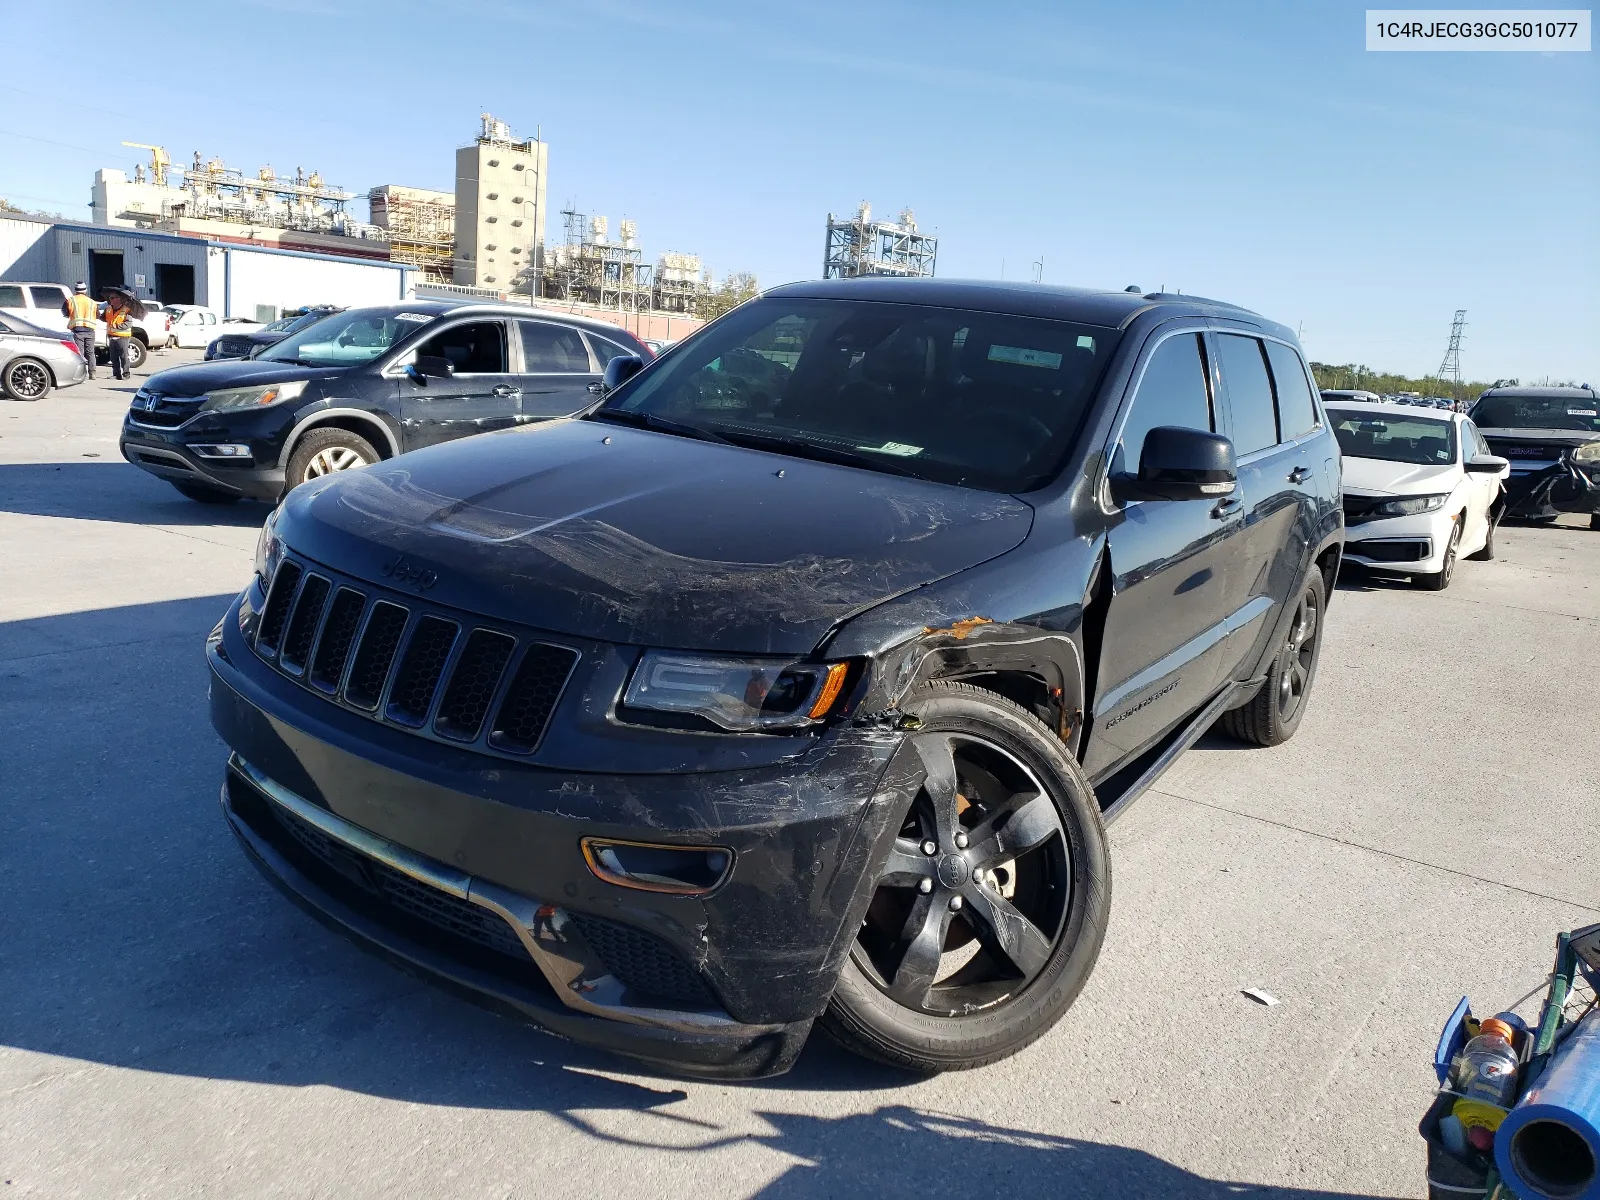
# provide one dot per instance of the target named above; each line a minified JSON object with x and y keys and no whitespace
{"x":1420,"y":490}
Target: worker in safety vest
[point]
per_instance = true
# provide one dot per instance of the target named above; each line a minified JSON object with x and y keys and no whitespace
{"x":119,"y":329}
{"x":80,"y":312}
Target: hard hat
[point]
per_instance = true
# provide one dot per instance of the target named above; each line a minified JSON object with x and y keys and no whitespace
{"x":80,"y":286}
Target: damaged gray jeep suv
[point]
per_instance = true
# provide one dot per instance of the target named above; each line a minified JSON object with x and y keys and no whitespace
{"x":796,"y":680}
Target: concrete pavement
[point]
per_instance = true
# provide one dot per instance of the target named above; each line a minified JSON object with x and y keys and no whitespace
{"x":170,"y":1026}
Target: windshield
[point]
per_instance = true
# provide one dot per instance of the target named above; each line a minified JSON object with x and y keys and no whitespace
{"x":1392,"y":437}
{"x":1581,"y":413}
{"x":345,"y":339}
{"x":971,"y":398}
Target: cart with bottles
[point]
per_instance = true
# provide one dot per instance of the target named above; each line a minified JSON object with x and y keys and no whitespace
{"x":1553,"y":1152}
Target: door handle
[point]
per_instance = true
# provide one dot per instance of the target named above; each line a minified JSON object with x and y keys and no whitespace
{"x":1226,"y":507}
{"x":1299,"y":474}
{"x":595,"y":388}
{"x":503,"y":389}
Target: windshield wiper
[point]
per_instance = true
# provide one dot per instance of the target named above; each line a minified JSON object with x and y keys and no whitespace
{"x":644,"y":420}
{"x":818,"y":451}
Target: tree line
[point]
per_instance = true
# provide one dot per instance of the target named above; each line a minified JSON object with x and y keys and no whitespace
{"x":1350,"y":376}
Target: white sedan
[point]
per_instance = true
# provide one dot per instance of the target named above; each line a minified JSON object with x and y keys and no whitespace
{"x":1420,"y":490}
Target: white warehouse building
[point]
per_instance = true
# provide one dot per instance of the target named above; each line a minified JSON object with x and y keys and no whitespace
{"x":164,"y":268}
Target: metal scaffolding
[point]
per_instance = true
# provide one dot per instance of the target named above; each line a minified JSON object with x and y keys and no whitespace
{"x":859,"y":245}
{"x":216,"y":192}
{"x":421,"y":227}
{"x":590,"y":268}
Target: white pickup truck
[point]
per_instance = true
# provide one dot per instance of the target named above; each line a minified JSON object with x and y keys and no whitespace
{"x":41,"y":303}
{"x":195,"y":327}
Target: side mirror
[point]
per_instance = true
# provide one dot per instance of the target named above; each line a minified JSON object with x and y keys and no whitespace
{"x":1486,"y":464}
{"x":621,"y":369}
{"x":432,"y":365}
{"x":1180,"y":464}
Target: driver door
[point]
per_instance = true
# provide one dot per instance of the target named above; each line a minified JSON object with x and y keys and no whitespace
{"x":481,"y":396}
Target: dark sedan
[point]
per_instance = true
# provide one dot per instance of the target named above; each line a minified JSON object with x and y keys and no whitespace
{"x":1552,"y":437}
{"x":236,"y":344}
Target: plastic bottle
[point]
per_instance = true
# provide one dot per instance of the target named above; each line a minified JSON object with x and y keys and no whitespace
{"x":1486,"y":1080}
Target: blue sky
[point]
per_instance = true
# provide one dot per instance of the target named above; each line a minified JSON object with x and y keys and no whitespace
{"x":1252,"y":152}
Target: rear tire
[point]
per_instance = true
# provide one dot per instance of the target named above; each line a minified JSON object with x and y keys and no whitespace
{"x":1594,"y":522}
{"x":1440,"y":580}
{"x":205,"y":495}
{"x":1274,"y":713}
{"x":137,"y":354}
{"x":326,"y":451}
{"x":1016,"y":812}
{"x":26,"y":379}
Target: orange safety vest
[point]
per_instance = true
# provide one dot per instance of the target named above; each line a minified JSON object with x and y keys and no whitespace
{"x":80,"y":311}
{"x":118,"y":322}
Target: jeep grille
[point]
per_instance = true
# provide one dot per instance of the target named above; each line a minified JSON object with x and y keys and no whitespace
{"x":435,"y":673}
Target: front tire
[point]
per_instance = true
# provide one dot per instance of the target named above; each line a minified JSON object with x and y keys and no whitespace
{"x":969,"y":953}
{"x":1439,"y":580}
{"x":327,"y":451}
{"x":26,"y":379}
{"x":1272,"y":716}
{"x":1594,"y":522}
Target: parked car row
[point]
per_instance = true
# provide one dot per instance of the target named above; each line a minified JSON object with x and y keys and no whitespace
{"x":42,"y":305}
{"x":795,"y":678}
{"x":247,"y":340}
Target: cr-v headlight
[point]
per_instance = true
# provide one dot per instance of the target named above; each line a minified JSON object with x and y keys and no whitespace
{"x":738,"y":694}
{"x":1410,"y":506}
{"x":254,"y":397}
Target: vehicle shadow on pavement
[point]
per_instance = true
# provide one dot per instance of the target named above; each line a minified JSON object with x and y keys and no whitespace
{"x":112,"y":490}
{"x":139,"y":938}
{"x":898,"y":1150}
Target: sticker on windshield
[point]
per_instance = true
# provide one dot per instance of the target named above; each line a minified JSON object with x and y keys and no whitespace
{"x":1021,"y":357}
{"x":1583,"y":412}
{"x":413,"y":317}
{"x":897,"y":448}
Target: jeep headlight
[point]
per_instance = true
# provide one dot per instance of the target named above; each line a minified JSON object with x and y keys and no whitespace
{"x":741,"y":695}
{"x":254,"y":397}
{"x":1410,"y":506}
{"x":1588,"y":455}
{"x":269,"y":551}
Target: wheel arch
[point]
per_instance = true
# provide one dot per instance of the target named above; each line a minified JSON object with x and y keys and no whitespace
{"x":352,"y":420}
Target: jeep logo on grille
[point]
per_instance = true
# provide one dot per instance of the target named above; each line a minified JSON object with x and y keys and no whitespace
{"x":403,"y":570}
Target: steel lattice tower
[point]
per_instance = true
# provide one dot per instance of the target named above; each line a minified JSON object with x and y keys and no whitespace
{"x":1450,"y":368}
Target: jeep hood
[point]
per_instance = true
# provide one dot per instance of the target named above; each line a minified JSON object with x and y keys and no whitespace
{"x":638,"y":537}
{"x":1379,"y":477}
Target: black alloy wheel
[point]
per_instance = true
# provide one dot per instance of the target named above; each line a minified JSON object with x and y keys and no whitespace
{"x":1272,"y":715}
{"x":989,"y":907}
{"x":1439,"y":580}
{"x":976,"y":886}
{"x":26,"y":379}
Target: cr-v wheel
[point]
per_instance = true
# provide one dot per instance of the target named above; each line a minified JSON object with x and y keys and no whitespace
{"x":989,"y":910}
{"x":326,"y":451}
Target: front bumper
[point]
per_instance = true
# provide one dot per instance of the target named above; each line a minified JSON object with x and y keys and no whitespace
{"x":1561,"y":487}
{"x":166,"y":453}
{"x":765,"y":947}
{"x":1403,"y":545}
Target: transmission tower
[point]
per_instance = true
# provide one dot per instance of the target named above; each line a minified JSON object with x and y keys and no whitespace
{"x":1450,"y":368}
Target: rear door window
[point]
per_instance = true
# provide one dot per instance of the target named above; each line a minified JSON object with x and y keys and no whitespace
{"x":476,"y":348}
{"x":605,"y":349}
{"x":48,"y":297}
{"x":1172,"y":392}
{"x":1255,"y":423}
{"x":552,"y":349}
{"x":1297,"y":412}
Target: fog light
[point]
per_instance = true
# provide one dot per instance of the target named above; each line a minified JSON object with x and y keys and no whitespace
{"x":218,"y":451}
{"x":650,"y":867}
